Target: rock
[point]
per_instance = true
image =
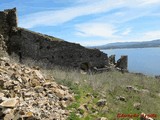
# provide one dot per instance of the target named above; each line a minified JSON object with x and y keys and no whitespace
{"x":63,"y":104}
{"x":157,"y":77}
{"x":38,"y":74}
{"x":68,"y":97}
{"x":137,"y":105}
{"x":9,"y":116}
{"x":63,"y":87}
{"x":29,"y":94}
{"x":82,"y":109}
{"x":102,"y":118}
{"x":6,"y":59}
{"x":60,"y":93}
{"x":26,"y":94}
{"x":1,"y":94}
{"x":34,"y":82}
{"x":122,"y":63}
{"x":101,"y":102}
{"x":8,"y":84}
{"x":47,"y":84}
{"x":131,"y":88}
{"x":28,"y":114}
{"x":1,"y":82}
{"x":39,"y":89}
{"x":121,"y":98}
{"x":10,"y":102}
{"x":145,"y":91}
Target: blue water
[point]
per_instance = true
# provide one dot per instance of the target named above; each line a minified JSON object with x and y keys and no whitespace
{"x":140,"y":60}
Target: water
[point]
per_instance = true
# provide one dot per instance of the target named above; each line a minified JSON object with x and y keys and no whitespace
{"x":140,"y":60}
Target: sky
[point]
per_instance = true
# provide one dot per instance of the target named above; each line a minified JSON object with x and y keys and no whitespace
{"x":90,"y":22}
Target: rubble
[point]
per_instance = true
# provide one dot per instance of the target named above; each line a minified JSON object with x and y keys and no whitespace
{"x":101,"y":102}
{"x":137,"y":105}
{"x":26,"y":94}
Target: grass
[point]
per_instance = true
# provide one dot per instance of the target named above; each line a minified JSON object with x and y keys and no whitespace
{"x":89,"y":88}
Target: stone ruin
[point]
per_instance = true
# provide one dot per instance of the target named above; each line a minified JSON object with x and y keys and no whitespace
{"x":121,"y":64}
{"x":40,"y":47}
{"x":50,"y":50}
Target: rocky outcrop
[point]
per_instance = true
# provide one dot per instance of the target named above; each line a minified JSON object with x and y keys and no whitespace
{"x":122,"y":64}
{"x":26,"y":94}
{"x":39,"y":47}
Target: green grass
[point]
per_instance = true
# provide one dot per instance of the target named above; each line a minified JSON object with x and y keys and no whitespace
{"x":109,"y":85}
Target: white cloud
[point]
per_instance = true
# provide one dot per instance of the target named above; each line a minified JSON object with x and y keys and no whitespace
{"x":151,"y":35}
{"x":51,"y":18}
{"x":146,"y":36}
{"x":127,"y":31}
{"x":135,"y":9}
{"x":149,"y":2}
{"x":99,"y":42}
{"x":96,"y":30}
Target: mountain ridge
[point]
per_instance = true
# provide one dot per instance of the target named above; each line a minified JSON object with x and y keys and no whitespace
{"x":122,"y":45}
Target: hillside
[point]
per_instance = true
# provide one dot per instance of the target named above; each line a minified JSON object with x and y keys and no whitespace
{"x":105,"y":95}
{"x":41,"y":94}
{"x":121,"y":45}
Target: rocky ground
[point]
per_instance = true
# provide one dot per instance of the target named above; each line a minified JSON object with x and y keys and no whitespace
{"x":25,"y":93}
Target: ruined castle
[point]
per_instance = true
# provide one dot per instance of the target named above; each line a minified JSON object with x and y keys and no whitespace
{"x":40,"y":47}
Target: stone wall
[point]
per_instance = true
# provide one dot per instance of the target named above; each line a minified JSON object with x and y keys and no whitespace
{"x":8,"y":21}
{"x":28,"y":44}
{"x":39,"y":47}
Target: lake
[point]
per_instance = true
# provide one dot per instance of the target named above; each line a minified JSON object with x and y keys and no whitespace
{"x":140,"y":60}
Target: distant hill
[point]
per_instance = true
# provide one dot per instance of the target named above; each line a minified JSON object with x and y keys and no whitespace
{"x":121,"y":45}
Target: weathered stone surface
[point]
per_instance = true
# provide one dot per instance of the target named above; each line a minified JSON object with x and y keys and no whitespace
{"x":122,"y":63}
{"x":11,"y":102}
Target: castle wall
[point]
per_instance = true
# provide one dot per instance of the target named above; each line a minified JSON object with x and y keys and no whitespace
{"x":8,"y":21}
{"x":59,"y":52}
{"x":28,"y":44}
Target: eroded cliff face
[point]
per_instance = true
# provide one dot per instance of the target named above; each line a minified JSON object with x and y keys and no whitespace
{"x":28,"y":44}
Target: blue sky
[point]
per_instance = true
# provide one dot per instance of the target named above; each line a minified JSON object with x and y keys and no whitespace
{"x":90,"y":22}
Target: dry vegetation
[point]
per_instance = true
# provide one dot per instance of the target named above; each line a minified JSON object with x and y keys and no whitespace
{"x":111,"y":85}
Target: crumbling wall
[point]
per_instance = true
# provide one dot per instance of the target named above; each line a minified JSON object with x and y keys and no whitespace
{"x":122,"y":63}
{"x":39,"y":47}
{"x":28,"y":44}
{"x":8,"y":21}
